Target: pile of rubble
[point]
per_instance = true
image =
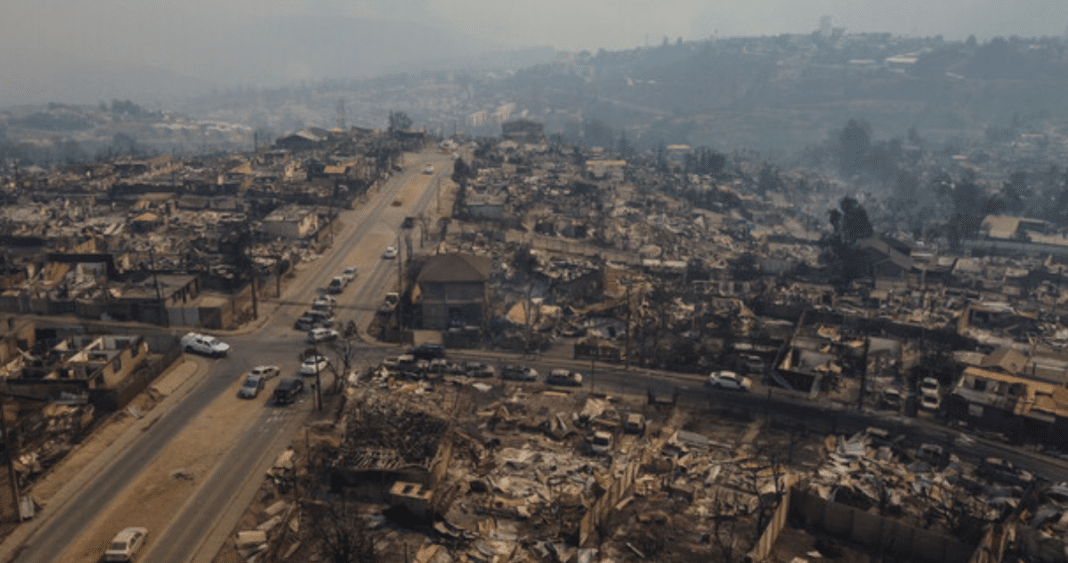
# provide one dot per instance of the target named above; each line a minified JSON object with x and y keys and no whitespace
{"x":924,"y":488}
{"x":412,"y":435}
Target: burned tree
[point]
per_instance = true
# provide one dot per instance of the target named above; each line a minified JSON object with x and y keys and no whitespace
{"x":342,"y":533}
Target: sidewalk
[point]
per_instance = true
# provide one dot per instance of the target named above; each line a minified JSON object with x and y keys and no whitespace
{"x":96,"y":454}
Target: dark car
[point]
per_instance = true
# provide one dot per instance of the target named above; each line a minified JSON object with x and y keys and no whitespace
{"x":408,"y":223}
{"x":287,"y":391}
{"x":1002,"y":470}
{"x":428,"y":351}
{"x":479,"y":369}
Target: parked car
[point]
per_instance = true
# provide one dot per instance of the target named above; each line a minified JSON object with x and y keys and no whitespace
{"x":891,"y":398}
{"x":725,"y":379}
{"x":930,"y":402}
{"x":390,"y":252}
{"x":930,"y":386}
{"x":324,"y":303}
{"x":517,"y":372}
{"x":753,"y":364}
{"x":429,"y":169}
{"x":428,"y":351}
{"x":336,"y":285}
{"x":251,"y":387}
{"x":1002,"y":470}
{"x":408,"y":222}
{"x":479,"y":369}
{"x":314,"y":364}
{"x":194,"y":342}
{"x":349,"y":274}
{"x":287,"y":391}
{"x":125,"y":544}
{"x":600,"y":442}
{"x":634,"y":423}
{"x":266,"y":372}
{"x":317,"y":335}
{"x":308,"y":322}
{"x":565,"y":377}
{"x":314,"y":319}
{"x":438,"y":365}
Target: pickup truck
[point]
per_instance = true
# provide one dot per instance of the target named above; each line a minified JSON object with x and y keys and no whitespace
{"x":203,"y":344}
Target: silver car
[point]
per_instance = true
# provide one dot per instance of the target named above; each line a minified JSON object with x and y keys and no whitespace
{"x":251,"y":387}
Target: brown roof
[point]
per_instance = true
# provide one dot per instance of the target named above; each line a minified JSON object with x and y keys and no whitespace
{"x":1009,"y":360}
{"x":455,"y":268}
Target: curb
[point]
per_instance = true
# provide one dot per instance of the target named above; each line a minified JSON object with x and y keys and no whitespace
{"x":10,"y":548}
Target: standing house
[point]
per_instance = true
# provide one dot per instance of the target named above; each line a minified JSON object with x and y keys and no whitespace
{"x":886,"y":261}
{"x":1019,"y":405}
{"x":291,"y":222}
{"x":451,"y":290}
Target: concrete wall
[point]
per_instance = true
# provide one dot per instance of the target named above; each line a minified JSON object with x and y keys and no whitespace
{"x":767,"y":539}
{"x":878,"y":532}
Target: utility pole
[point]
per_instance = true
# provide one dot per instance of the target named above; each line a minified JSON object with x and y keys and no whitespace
{"x":630,"y":309}
{"x":400,"y":292}
{"x":9,"y":453}
{"x":159,"y":293}
{"x":318,"y":382}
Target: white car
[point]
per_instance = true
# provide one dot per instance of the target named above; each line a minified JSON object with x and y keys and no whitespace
{"x":429,"y":169}
{"x":324,"y":303}
{"x":204,"y":344}
{"x":317,"y":335}
{"x":930,"y":402}
{"x":126,"y":544}
{"x":313,"y":365}
{"x":566,"y":377}
{"x":725,"y":379}
{"x":391,"y":252}
{"x":266,"y":372}
{"x":349,"y":274}
{"x":929,"y":386}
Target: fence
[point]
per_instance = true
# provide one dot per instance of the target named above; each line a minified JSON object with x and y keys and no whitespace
{"x":602,"y":509}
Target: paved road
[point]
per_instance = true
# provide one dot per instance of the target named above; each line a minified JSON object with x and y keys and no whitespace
{"x":217,"y":505}
{"x":363,"y":236}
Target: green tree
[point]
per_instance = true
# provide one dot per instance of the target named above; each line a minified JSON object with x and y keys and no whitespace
{"x":597,"y":133}
{"x":850,"y":222}
{"x":844,"y":261}
{"x":853,"y":143}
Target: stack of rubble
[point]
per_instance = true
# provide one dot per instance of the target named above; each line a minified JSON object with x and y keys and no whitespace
{"x":927,"y":491}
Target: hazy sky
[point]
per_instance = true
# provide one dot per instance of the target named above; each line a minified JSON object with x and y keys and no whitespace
{"x":266,"y":41}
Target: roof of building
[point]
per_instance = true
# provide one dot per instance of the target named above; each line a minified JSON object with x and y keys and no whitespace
{"x":879,"y":250}
{"x":1008,"y":360}
{"x":147,"y":217}
{"x":454,"y":268}
{"x":1000,"y":226}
